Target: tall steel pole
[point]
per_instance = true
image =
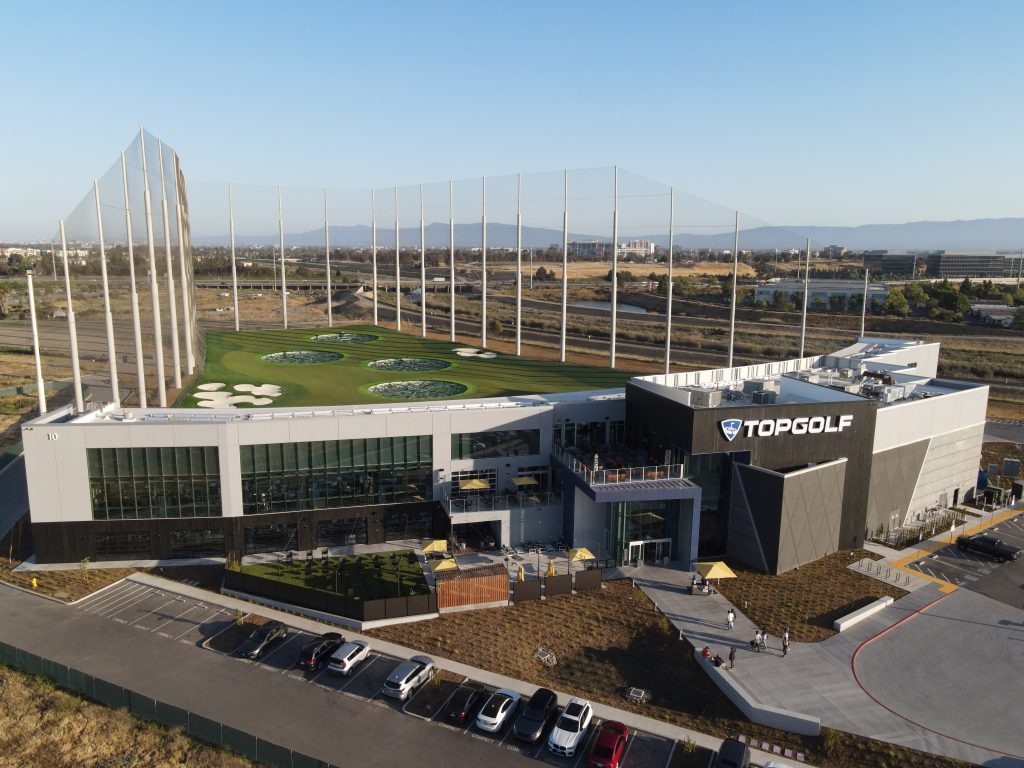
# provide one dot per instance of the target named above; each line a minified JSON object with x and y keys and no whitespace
{"x":668,"y":293}
{"x":423,"y":271}
{"x":280,"y":234}
{"x":115,"y":392}
{"x":483,"y":264}
{"x":451,"y":258}
{"x":327,"y":262}
{"x":171,"y":305}
{"x":158,"y":335}
{"x":565,"y":262}
{"x":185,"y":284}
{"x":373,"y":248}
{"x":615,"y":266}
{"x":735,"y":270}
{"x":76,"y":372}
{"x":803,"y":318}
{"x":136,"y":321}
{"x":519,"y":264}
{"x":864,"y":304}
{"x":234,"y":268}
{"x":40,"y":384}
{"x":398,"y":271}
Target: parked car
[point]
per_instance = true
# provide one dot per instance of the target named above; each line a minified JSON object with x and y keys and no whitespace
{"x":986,"y":544}
{"x":535,"y":715}
{"x":408,"y":676}
{"x":460,"y":705}
{"x":497,"y":710}
{"x":261,"y":640}
{"x":317,"y":651}
{"x":732,"y":754}
{"x":570,"y":728}
{"x":348,"y":656}
{"x":609,"y":745}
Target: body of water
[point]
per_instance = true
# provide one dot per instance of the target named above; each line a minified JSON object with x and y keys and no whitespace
{"x":608,"y":305}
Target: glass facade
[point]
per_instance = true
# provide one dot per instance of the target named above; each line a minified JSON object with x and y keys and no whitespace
{"x":490,"y":445}
{"x":640,"y":521}
{"x":207,"y":542}
{"x":333,"y":533}
{"x":140,"y":483}
{"x":271,"y":538}
{"x":121,"y":546}
{"x":292,"y":477}
{"x":590,"y":435}
{"x":711,"y":471}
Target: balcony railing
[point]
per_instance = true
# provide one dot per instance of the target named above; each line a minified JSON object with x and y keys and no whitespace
{"x":511,"y":502}
{"x":606,"y":476}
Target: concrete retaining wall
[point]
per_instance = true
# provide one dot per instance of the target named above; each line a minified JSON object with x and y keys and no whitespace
{"x":847,"y":621}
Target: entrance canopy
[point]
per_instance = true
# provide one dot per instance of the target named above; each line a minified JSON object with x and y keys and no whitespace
{"x":582,"y":553}
{"x":474,"y":484}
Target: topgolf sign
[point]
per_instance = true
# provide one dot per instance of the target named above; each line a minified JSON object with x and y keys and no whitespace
{"x":802,"y":425}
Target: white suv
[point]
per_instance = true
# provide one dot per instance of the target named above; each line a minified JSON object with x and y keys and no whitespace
{"x":570,"y":728}
{"x":345,"y":659}
{"x":408,"y":676}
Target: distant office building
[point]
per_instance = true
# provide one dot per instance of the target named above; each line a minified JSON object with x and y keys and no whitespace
{"x":894,"y":264}
{"x":833,"y":251}
{"x":821,"y":292}
{"x":967,"y":264}
{"x":992,"y":314}
{"x":589,"y":249}
{"x":640,"y":248}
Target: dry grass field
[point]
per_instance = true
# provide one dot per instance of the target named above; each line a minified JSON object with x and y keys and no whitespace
{"x":44,"y":727}
{"x":587,"y":270}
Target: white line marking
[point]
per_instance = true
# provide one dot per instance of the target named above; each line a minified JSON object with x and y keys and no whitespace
{"x":152,"y":612}
{"x":131,"y":602}
{"x":159,"y":626}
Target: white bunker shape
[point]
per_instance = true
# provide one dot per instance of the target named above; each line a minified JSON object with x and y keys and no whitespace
{"x":474,"y":352}
{"x":213,"y":395}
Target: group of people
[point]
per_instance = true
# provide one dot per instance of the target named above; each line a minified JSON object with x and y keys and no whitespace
{"x":760,"y":641}
{"x":700,"y":585}
{"x":717,"y":660}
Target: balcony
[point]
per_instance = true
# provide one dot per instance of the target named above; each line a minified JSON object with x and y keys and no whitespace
{"x":516,"y":502}
{"x":604,"y":475}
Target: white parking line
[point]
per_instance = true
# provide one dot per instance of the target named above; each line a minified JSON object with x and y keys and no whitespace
{"x":111,"y":599}
{"x":629,"y":746}
{"x":281,"y":647}
{"x":187,"y":610}
{"x":152,"y":612}
{"x":200,"y":623}
{"x":135,"y":599}
{"x":111,"y":594}
{"x":958,"y":567}
{"x":671,"y":753}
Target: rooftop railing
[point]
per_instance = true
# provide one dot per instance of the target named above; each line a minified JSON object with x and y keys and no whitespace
{"x":611,"y":475}
{"x":510,"y":502}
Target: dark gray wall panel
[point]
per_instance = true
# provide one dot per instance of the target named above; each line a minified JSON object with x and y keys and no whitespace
{"x":894,"y":475}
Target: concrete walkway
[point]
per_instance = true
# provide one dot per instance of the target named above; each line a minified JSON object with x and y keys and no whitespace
{"x":605,"y":712}
{"x":819,"y":678}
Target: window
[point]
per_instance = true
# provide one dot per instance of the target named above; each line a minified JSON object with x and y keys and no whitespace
{"x":121,"y":546}
{"x":270,"y":538}
{"x":143,"y":483}
{"x":208,"y":542}
{"x":294,"y":477}
{"x":341,"y":532}
{"x":489,"y":445}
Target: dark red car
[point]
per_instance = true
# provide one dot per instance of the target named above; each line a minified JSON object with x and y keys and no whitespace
{"x":609,"y":745}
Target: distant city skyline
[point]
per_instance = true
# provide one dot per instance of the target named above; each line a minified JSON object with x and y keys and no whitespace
{"x":796,"y":114}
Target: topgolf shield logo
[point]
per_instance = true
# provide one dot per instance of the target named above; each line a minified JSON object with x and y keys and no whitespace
{"x":730,"y":428}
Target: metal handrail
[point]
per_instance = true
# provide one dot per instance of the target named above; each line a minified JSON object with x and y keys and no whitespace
{"x":514,"y":501}
{"x":621,"y":475}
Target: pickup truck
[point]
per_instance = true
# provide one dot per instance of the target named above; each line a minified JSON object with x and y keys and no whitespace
{"x":989,"y":545}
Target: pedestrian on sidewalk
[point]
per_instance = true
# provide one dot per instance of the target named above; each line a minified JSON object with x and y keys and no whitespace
{"x":764,"y":639}
{"x":755,"y":644}
{"x":785,"y":643}
{"x":732,"y":657}
{"x":730,"y":619}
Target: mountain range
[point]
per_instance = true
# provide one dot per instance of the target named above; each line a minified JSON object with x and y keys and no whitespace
{"x":972,"y":234}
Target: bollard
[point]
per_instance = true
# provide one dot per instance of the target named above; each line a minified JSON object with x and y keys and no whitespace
{"x":888,"y":573}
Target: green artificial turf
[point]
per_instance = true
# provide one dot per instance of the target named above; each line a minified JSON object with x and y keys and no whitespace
{"x":371,"y":577}
{"x":235,"y":358}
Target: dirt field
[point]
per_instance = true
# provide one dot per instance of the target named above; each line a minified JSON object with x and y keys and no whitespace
{"x":44,"y":727}
{"x":583,"y":270}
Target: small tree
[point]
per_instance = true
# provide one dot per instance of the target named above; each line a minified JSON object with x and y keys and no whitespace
{"x":83,"y":568}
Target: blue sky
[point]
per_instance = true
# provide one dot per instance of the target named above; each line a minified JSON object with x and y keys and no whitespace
{"x":795,"y":113}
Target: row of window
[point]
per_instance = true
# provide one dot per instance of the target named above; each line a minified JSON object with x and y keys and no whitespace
{"x":489,"y":445}
{"x":136,"y":545}
{"x":275,"y":458}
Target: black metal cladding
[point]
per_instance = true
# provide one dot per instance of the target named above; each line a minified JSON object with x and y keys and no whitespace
{"x":666,"y":421}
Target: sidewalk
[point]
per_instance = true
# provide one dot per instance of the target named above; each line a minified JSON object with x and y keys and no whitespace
{"x":631,"y":719}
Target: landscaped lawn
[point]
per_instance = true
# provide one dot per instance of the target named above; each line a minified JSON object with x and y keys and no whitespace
{"x":237,"y":358}
{"x":370,"y":577}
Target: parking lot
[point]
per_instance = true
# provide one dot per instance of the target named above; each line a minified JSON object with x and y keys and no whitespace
{"x":191,"y":621}
{"x":980,"y":573}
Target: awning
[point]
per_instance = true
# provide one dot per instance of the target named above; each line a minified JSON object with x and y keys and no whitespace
{"x":475,"y":484}
{"x":437,"y":545}
{"x":580,"y":554}
{"x":447,"y":564}
{"x":521,"y":481}
{"x":715,"y":570}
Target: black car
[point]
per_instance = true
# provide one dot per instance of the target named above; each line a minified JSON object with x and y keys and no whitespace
{"x":732,"y":754}
{"x":537,"y":713}
{"x":460,"y":706}
{"x":989,"y":545}
{"x":264,"y":638}
{"x":317,"y":651}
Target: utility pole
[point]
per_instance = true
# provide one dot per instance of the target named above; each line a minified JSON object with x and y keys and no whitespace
{"x":668,"y":294}
{"x":735,"y":269}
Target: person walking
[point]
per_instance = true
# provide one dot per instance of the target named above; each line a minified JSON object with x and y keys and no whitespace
{"x":756,"y":643}
{"x":732,"y":657}
{"x":764,"y":639}
{"x":730,"y":619}
{"x":785,"y":643}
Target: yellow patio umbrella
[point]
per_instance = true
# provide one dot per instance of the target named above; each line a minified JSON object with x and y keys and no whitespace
{"x":521,"y":575}
{"x":436,"y":545}
{"x":447,"y":564}
{"x":523,"y":481}
{"x":580,"y":553}
{"x":714,"y":570}
{"x":474,"y":484}
{"x":551,"y":568}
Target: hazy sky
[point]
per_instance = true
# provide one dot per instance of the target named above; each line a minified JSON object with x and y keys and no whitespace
{"x":793,"y":112}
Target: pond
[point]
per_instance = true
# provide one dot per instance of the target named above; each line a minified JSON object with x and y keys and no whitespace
{"x":608,"y":305}
{"x":418,"y":390}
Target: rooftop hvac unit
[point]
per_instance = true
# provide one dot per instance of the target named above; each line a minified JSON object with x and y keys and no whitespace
{"x":750,"y":386}
{"x":846,"y":373}
{"x":764,"y":397}
{"x":705,"y":398}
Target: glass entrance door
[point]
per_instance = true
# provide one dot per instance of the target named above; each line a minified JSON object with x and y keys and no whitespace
{"x":650,"y":551}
